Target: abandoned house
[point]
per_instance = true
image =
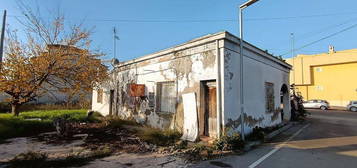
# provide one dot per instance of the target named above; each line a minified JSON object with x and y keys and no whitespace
{"x":194,"y":88}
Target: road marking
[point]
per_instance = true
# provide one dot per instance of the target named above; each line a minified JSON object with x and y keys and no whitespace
{"x":277,"y":147}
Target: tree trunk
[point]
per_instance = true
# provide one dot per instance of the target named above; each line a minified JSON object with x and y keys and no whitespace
{"x":14,"y":109}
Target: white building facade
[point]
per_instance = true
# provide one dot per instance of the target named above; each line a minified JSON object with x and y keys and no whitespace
{"x":151,"y":89}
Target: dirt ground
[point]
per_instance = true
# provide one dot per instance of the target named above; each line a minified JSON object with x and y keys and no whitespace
{"x":126,"y":149}
{"x":16,"y":146}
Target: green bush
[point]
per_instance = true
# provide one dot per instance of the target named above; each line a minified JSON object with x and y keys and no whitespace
{"x":229,"y":142}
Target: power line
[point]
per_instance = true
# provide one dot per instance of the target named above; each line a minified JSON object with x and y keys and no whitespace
{"x":324,"y":38}
{"x":206,"y":20}
{"x":309,"y":34}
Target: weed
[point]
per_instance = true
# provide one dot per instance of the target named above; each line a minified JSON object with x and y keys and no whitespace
{"x":116,"y":122}
{"x":29,"y":159}
{"x":229,"y":142}
{"x":159,"y":137}
{"x":258,"y":134}
{"x":181,"y":145}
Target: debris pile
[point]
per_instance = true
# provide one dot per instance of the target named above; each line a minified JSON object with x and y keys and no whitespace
{"x":97,"y":135}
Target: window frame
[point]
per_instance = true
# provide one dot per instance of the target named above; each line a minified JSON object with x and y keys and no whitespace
{"x":159,"y":87}
{"x":269,"y":106}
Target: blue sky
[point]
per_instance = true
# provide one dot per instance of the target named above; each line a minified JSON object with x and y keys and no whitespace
{"x":146,"y":26}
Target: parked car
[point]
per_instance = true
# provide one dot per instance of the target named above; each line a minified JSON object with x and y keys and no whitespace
{"x":352,"y":106}
{"x":317,"y":104}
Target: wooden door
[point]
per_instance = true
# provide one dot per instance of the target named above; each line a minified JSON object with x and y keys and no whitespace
{"x":111,"y":102}
{"x":212,"y":112}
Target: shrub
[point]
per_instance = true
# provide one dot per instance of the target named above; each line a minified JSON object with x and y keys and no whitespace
{"x":229,"y":142}
{"x":258,"y":134}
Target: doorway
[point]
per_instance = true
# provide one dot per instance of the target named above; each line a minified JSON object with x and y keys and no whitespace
{"x":209,"y":109}
{"x":111,"y":102}
{"x":284,"y":103}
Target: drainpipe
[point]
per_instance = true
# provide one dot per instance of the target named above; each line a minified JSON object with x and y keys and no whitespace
{"x":219,"y":91}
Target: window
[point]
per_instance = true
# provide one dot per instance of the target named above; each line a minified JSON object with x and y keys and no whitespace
{"x":100,"y":96}
{"x":166,"y":97}
{"x":151,"y":99}
{"x":269,"y":97}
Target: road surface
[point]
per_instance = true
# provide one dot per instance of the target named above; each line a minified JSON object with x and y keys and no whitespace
{"x":327,"y":139}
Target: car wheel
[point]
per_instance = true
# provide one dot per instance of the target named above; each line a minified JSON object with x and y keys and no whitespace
{"x":354,"y":109}
{"x":323,"y":108}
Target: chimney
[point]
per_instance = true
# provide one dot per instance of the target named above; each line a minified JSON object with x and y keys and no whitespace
{"x":331,"y":49}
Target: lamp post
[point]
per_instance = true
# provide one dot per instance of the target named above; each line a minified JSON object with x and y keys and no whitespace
{"x":241,"y":7}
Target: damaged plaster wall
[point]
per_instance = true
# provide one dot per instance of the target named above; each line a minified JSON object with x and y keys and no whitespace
{"x":186,"y":68}
{"x":258,"y":69}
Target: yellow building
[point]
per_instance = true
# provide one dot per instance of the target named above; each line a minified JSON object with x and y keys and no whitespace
{"x":329,"y":76}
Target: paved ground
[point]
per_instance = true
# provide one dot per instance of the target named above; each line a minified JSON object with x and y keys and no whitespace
{"x":327,"y":139}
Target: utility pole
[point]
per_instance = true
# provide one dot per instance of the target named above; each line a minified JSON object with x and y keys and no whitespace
{"x":115,"y":38}
{"x":241,"y":83}
{"x":2,"y":37}
{"x":293,"y":54}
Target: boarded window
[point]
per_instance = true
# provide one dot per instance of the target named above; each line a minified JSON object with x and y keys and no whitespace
{"x":100,"y":96}
{"x":269,"y":97}
{"x":166,"y":97}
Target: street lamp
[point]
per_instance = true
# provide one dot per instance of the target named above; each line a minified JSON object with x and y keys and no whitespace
{"x":241,"y":7}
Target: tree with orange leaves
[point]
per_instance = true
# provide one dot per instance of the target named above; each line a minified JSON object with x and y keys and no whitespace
{"x":52,"y":58}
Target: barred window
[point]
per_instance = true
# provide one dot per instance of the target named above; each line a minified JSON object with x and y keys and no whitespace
{"x":166,"y":97}
{"x":269,"y":97}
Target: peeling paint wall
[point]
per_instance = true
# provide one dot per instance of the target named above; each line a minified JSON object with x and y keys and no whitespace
{"x":257,"y":71}
{"x":186,"y":68}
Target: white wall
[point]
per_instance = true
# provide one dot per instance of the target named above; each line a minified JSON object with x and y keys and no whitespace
{"x":103,"y":107}
{"x":257,"y":70}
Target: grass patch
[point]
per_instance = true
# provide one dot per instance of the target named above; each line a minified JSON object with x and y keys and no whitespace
{"x":34,"y":122}
{"x":159,"y":137}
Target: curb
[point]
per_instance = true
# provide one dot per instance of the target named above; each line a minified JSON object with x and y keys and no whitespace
{"x":251,"y":144}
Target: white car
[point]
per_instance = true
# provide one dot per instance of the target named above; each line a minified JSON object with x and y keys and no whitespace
{"x":317,"y":104}
{"x":352,"y":106}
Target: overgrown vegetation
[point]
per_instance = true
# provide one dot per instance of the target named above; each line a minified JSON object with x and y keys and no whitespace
{"x":258,"y":134}
{"x":229,"y":142}
{"x":34,"y":122}
{"x":159,"y":137}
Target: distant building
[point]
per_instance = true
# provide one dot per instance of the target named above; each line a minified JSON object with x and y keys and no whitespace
{"x":330,"y":76}
{"x":197,"y":82}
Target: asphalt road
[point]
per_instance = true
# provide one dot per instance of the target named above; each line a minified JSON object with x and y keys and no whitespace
{"x":328,"y":139}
